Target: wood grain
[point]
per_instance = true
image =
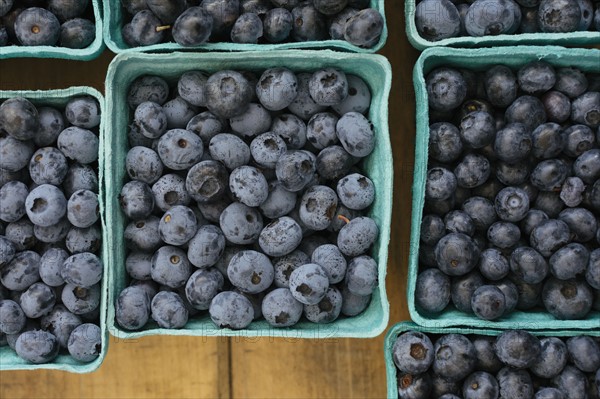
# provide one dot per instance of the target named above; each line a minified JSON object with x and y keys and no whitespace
{"x":160,"y":367}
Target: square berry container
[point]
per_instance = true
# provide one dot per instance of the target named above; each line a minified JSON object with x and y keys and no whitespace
{"x":586,"y":60}
{"x":59,"y":98}
{"x":519,"y":39}
{"x":398,"y":329}
{"x":114,"y":17}
{"x":374,"y":69}
{"x":89,"y":53}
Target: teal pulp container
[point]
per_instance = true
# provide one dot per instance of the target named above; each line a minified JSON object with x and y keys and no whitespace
{"x":374,"y":69}
{"x":588,"y":60}
{"x":114,"y":15}
{"x":59,"y":98}
{"x":521,"y":39}
{"x":85,"y":54}
{"x":398,"y":329}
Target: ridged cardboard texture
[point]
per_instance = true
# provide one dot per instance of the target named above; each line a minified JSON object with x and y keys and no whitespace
{"x":480,"y":59}
{"x":398,"y":329}
{"x":374,"y":69}
{"x":85,"y":54}
{"x":521,"y":39}
{"x":59,"y":98}
{"x":114,"y":17}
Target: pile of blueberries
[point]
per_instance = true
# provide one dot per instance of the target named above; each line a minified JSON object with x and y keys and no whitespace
{"x":513,"y":365}
{"x":512,"y":196}
{"x":193,"y":22}
{"x":246,"y":199}
{"x":442,"y":19}
{"x":50,"y":234}
{"x":64,"y":23}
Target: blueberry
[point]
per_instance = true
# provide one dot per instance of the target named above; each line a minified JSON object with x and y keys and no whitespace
{"x":493,"y":265}
{"x":549,"y":393}
{"x":48,"y":166}
{"x":77,"y":33}
{"x":557,"y":106}
{"x":248,"y":185}
{"x":78,"y":144}
{"x":138,"y":265}
{"x":356,"y":191}
{"x":280,"y":237}
{"x":579,"y":139}
{"x":327,"y":310}
{"x":147,"y":88}
{"x":456,"y":254}
{"x":446,"y":89}
{"x":552,"y":358}
{"x":14,"y":154}
{"x":206,"y":247}
{"x":279,"y":202}
{"x":83,"y":112}
{"x":21,"y":272}
{"x":512,"y":204}
{"x":178,"y":225}
{"x":267,"y":148}
{"x":285,"y":265}
{"x":573,"y":381}
{"x":309,"y":24}
{"x":362,"y":275}
{"x":536,"y":77}
{"x":358,"y":236}
{"x":136,"y":200}
{"x":488,"y":302}
{"x":549,"y":202}
{"x":277,"y":25}
{"x":309,"y":284}
{"x":256,"y":120}
{"x":462,"y":290}
{"x":358,"y":99}
{"x":504,"y":234}
{"x":250,"y":271}
{"x":364,"y":29}
{"x":549,"y":236}
{"x":19,"y":118}
{"x":353,"y":305}
{"x":481,"y":211}
{"x":413,"y":352}
{"x":515,"y":384}
{"x":7,"y":251}
{"x":12,"y":201}
{"x":547,"y":140}
{"x":472,"y":171}
{"x":170,"y":267}
{"x":5,"y":6}
{"x":85,"y":342}
{"x":37,"y":27}
{"x":480,"y":385}
{"x":437,"y":20}
{"x":12,"y":317}
{"x":528,"y":265}
{"x":83,"y":208}
{"x":592,"y":274}
{"x":440,"y":184}
{"x":430,"y":281}
{"x":549,"y":175}
{"x":281,"y":309}
{"x":500,"y":85}
{"x":145,"y":29}
{"x":51,"y":123}
{"x":277,"y":88}
{"x":143,"y":234}
{"x":572,"y":191}
{"x":206,"y":181}
{"x":132,"y":308}
{"x":60,"y":322}
{"x":557,"y":16}
{"x":569,"y":261}
{"x":228,"y":94}
{"x":328,"y":87}
{"x":432,"y":229}
{"x":454,"y":356}
{"x":80,"y":177}
{"x":241,"y":224}
{"x":21,"y":234}
{"x":192,"y":27}
{"x":79,"y":300}
{"x":295,"y":169}
{"x":567,"y":300}
{"x":486,"y":354}
{"x":45,"y":205}
{"x":318,"y":206}
{"x":517,"y":348}
{"x":332,"y":260}
{"x":587,"y":166}
{"x":168,"y":310}
{"x":414,"y":386}
{"x":334,"y":162}
{"x":67,"y":9}
{"x":303,"y":105}
{"x":584,"y":352}
{"x":505,"y":18}
{"x":571,"y":81}
{"x":202,"y":287}
{"x":206,"y":125}
{"x":143,"y":164}
{"x":150,"y":119}
{"x":477,"y":129}
{"x":231,"y":310}
{"x":37,"y":347}
{"x":83,"y":270}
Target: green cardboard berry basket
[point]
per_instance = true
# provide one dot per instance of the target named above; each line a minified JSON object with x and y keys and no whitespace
{"x":114,"y":16}
{"x":85,"y":54}
{"x":59,"y":98}
{"x":588,"y":60}
{"x":519,"y":39}
{"x":398,"y":329}
{"x":374,"y":69}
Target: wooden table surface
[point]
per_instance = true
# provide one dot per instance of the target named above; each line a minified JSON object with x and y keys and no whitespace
{"x":161,"y":367}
